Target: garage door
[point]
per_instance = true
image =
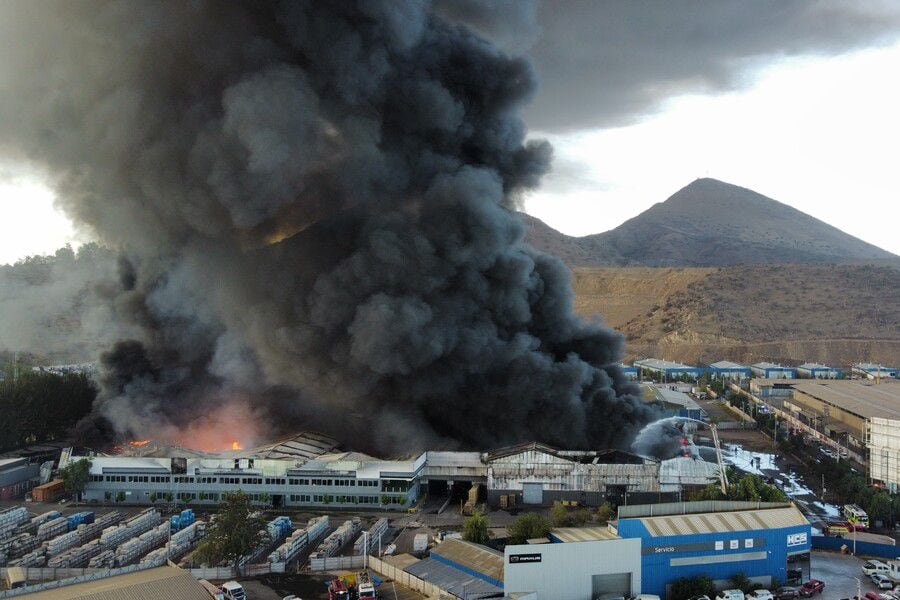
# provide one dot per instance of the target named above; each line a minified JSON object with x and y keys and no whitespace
{"x":533,"y":493}
{"x":618,"y":584}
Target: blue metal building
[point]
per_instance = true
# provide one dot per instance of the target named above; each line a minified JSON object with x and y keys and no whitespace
{"x":817,"y":371}
{"x":769,"y":370}
{"x":728,"y":370}
{"x":768,"y":542}
{"x":872,"y":370}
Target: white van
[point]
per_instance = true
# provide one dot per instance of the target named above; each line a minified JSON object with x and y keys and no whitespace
{"x":233,"y":591}
{"x":730,"y":595}
{"x":875,"y":566}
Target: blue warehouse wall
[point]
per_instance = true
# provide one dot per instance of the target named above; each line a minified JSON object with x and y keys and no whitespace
{"x":756,"y":553}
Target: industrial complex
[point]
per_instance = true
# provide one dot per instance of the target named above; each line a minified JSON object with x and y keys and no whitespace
{"x":307,"y":471}
{"x":859,"y":418}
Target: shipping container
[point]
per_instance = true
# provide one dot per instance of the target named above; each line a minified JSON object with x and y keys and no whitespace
{"x":49,"y":492}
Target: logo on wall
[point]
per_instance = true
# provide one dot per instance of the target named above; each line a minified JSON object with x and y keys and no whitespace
{"x":524,"y":558}
{"x":797,"y":539}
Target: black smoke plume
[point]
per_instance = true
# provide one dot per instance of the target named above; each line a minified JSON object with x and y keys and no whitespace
{"x":313,"y":201}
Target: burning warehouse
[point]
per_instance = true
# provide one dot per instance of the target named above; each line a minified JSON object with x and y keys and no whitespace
{"x":309,"y":470}
{"x":536,"y":474}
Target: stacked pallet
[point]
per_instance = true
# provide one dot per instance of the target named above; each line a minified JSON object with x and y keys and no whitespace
{"x":105,"y":560}
{"x":52,"y":528}
{"x":369,"y":540}
{"x":180,"y":544}
{"x":134,"y":548}
{"x":77,"y":557}
{"x":300,"y":540}
{"x":332,"y":544}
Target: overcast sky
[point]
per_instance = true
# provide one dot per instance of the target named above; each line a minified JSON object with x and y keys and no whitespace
{"x":795,"y":100}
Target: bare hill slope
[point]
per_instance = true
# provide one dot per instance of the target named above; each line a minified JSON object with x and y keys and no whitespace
{"x":789,"y":313}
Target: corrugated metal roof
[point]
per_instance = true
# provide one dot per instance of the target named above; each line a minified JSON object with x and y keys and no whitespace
{"x":473,"y":556}
{"x":687,"y":471}
{"x":451,"y":579}
{"x":582,"y":534}
{"x":722,"y":522}
{"x":148,"y":584}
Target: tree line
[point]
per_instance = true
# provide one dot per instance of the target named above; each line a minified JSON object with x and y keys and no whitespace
{"x":42,"y":407}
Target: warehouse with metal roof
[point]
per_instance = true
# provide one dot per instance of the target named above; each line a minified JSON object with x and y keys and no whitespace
{"x":667,"y":368}
{"x":716,"y":539}
{"x":143,"y":584}
{"x":462,"y":568}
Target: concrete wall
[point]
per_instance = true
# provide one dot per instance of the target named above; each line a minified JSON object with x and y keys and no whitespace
{"x":565,"y":571}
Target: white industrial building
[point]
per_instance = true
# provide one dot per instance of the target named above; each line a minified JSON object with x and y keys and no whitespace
{"x":769,"y":370}
{"x":593,"y":568}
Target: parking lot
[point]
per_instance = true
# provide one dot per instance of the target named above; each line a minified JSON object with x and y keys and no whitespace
{"x":839,"y":572}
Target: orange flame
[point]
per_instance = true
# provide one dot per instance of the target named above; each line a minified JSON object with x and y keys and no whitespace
{"x":236,"y":446}
{"x":138,"y":443}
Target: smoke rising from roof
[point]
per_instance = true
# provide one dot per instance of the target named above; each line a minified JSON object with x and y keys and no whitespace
{"x":313,"y":203}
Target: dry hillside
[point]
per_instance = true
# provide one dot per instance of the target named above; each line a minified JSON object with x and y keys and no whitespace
{"x":788,"y":313}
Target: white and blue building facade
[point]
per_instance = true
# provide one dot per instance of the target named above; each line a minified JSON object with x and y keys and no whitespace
{"x":769,"y":370}
{"x":668,"y":369}
{"x":769,"y":543}
{"x":725,"y":369}
{"x":817,"y":371}
{"x":872,"y":371}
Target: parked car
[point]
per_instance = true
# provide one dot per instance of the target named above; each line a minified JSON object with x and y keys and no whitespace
{"x":872,"y":567}
{"x":786,"y":593}
{"x":760,"y":595}
{"x":813,"y":586}
{"x":730,"y":595}
{"x":883,"y":582}
{"x":703,"y":597}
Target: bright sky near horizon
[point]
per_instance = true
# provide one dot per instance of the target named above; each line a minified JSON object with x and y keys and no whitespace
{"x":818,"y":134}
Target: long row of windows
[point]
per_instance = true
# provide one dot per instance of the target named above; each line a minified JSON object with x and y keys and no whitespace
{"x":390,"y":485}
{"x":328,"y":499}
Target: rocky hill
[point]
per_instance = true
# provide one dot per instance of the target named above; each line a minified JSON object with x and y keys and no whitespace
{"x":711,"y":223}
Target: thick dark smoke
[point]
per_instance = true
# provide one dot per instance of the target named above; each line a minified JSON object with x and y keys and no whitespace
{"x":605,"y":63}
{"x":313,"y":200}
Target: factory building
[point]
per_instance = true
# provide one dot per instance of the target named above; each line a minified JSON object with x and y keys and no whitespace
{"x":676,"y":404}
{"x":729,"y":370}
{"x":667,"y":369}
{"x":304,"y":471}
{"x":875,"y":371}
{"x":649,"y":547}
{"x":537,"y":475}
{"x":583,"y":565}
{"x":462,"y":568}
{"x":769,"y":370}
{"x":768,"y":542}
{"x":817,"y":371}
{"x":17,"y":477}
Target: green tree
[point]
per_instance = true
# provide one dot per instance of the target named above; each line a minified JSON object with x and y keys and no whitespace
{"x":234,"y":532}
{"x":560,"y":516}
{"x":75,"y":476}
{"x":475,"y":528}
{"x":528,"y":526}
{"x":740,"y":581}
{"x":879,"y":506}
{"x":688,"y":587}
{"x":605,"y":512}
